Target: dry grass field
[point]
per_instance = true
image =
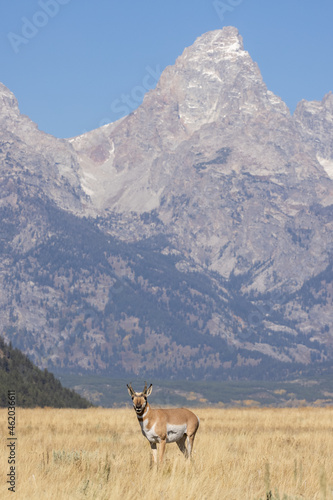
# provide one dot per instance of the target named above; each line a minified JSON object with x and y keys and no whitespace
{"x":238,"y":454}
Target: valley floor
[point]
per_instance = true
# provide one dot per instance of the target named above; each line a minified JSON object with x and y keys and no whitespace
{"x":238,"y":454}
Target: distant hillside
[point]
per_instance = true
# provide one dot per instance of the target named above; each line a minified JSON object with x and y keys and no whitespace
{"x":311,"y":388}
{"x":33,"y":386}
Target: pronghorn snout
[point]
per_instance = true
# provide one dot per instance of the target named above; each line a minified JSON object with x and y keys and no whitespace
{"x":139,"y":403}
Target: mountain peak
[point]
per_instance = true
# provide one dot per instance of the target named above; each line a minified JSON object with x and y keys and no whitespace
{"x":214,"y":47}
{"x":4,"y":91}
{"x":8,"y":102}
{"x":225,"y":43}
{"x":214,"y":78}
{"x":214,"y":88}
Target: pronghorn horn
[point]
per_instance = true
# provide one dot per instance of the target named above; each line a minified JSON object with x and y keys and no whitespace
{"x":145,"y":389}
{"x":130,"y":389}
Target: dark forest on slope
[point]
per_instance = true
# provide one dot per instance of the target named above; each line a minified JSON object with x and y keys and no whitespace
{"x":33,"y":387}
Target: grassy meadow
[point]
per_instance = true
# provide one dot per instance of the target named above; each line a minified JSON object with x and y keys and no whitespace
{"x":240,"y":454}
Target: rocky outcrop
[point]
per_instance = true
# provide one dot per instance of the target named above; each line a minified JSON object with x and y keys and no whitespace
{"x":314,"y":121}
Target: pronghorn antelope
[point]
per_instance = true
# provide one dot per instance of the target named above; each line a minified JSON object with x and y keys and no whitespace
{"x":177,"y":425}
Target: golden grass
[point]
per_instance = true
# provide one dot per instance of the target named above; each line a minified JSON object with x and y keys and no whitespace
{"x":238,"y":454}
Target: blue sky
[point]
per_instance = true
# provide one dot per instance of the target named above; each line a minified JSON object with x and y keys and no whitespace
{"x":75,"y":65}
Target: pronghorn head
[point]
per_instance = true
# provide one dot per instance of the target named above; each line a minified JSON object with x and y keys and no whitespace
{"x":139,"y":398}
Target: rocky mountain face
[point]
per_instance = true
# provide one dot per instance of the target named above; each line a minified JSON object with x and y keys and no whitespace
{"x":190,"y":238}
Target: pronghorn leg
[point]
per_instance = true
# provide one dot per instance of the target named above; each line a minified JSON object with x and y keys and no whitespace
{"x":181,"y":445}
{"x":162,"y":449}
{"x":154,"y":453}
{"x":190,"y":441}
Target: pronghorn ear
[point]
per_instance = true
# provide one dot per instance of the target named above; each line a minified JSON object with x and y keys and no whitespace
{"x":130,"y":390}
{"x":149,"y":390}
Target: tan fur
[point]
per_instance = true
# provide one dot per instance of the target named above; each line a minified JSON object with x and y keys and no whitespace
{"x":164,"y":425}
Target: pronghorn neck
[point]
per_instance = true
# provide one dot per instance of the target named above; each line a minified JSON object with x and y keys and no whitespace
{"x":141,"y":416}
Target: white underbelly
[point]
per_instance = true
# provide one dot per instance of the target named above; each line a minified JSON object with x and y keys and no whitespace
{"x":175,"y":432}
